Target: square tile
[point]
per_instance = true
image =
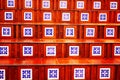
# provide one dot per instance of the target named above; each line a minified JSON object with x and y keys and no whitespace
{"x":96,"y":50}
{"x":28,"y":16}
{"x":63,"y":4}
{"x":47,"y":16}
{"x":110,"y":32}
{"x":10,"y":3}
{"x":8,"y":16}
{"x":113,"y":5}
{"x":50,"y":50}
{"x":90,"y":32}
{"x":45,"y":4}
{"x":27,"y":50}
{"x":84,"y":16}
{"x":65,"y":16}
{"x":69,"y":32}
{"x":80,"y":4}
{"x":97,"y":5}
{"x":28,"y":32}
{"x":116,"y":50}
{"x":28,"y":3}
{"x":2,"y":74}
{"x":49,"y":32}
{"x":79,"y":73}
{"x":102,"y":16}
{"x":118,"y":17}
{"x":4,"y":51}
{"x":104,"y":73}
{"x":26,"y":74}
{"x":6,"y":31}
{"x":53,"y":74}
{"x":73,"y":50}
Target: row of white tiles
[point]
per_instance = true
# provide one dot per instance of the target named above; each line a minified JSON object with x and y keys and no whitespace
{"x":63,"y":4}
{"x":97,"y":50}
{"x":69,"y":32}
{"x":65,"y":16}
{"x":54,"y":73}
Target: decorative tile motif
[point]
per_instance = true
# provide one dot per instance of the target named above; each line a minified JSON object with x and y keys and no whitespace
{"x":117,"y":50}
{"x":27,"y":50}
{"x":4,"y":50}
{"x":65,"y":16}
{"x":2,"y":74}
{"x":6,"y":31}
{"x":80,"y":4}
{"x":97,"y":5}
{"x":8,"y":16}
{"x":113,"y":5}
{"x":47,"y":16}
{"x":90,"y":32}
{"x":28,"y":3}
{"x":79,"y":73}
{"x":10,"y":3}
{"x":103,"y":17}
{"x":73,"y":50}
{"x":104,"y":73}
{"x":27,"y":15}
{"x":96,"y":50}
{"x":69,"y":32}
{"x":53,"y":73}
{"x":49,"y":32}
{"x":84,"y":16}
{"x":26,"y":74}
{"x":45,"y":4}
{"x":118,"y":17}
{"x":28,"y":32}
{"x":50,"y":50}
{"x":63,"y":4}
{"x":110,"y":32}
